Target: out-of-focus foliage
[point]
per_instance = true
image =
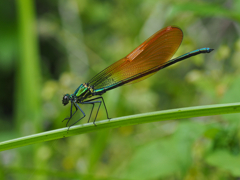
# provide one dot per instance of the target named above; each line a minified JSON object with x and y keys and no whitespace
{"x":76,"y":39}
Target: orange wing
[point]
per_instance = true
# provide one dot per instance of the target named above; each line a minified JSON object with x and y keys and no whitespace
{"x":152,"y":53}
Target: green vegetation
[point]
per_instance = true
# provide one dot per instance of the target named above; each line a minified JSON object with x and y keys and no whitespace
{"x":48,"y":48}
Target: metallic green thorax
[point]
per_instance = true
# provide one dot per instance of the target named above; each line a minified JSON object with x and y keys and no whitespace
{"x":84,"y":91}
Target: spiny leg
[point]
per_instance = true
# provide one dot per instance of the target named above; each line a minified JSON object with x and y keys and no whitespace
{"x":105,"y":107}
{"x":100,"y":102}
{"x":71,"y":115}
{"x":91,"y":111}
{"x":76,"y":105}
{"x":91,"y":100}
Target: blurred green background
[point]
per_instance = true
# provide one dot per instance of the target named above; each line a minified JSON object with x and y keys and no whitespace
{"x":48,"y":48}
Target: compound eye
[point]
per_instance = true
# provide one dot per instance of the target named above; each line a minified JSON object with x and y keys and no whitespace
{"x":65,"y":100}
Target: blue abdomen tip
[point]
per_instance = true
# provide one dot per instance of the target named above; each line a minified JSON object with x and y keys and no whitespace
{"x":209,"y":50}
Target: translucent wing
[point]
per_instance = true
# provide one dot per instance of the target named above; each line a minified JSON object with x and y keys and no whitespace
{"x":152,"y":53}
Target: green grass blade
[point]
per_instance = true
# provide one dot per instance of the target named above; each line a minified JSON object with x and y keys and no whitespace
{"x":28,"y":73}
{"x":181,"y":113}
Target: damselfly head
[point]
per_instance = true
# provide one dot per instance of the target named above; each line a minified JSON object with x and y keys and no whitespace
{"x":66,"y":99}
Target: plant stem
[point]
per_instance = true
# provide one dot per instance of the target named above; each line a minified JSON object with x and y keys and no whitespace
{"x":181,"y":113}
